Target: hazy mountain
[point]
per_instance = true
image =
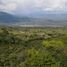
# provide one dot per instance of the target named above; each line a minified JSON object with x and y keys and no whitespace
{"x":46,"y":19}
{"x":9,"y":18}
{"x":6,"y":17}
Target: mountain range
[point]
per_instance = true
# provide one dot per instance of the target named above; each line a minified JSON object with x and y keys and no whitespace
{"x":47,"y":19}
{"x":8,"y":18}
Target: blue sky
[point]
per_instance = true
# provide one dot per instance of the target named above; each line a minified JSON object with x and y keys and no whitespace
{"x":33,"y":6}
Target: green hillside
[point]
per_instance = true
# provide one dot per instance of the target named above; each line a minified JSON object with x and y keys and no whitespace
{"x":33,"y":47}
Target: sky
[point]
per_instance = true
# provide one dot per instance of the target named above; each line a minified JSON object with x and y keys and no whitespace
{"x":33,"y":6}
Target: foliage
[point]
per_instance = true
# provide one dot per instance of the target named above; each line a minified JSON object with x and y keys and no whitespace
{"x":33,"y":47}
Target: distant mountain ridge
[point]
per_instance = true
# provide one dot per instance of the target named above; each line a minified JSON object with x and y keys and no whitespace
{"x":47,"y":19}
{"x":8,"y":18}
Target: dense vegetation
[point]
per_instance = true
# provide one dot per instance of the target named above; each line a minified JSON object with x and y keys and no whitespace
{"x":33,"y":47}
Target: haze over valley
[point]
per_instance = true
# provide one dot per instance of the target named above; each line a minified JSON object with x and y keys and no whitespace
{"x":45,"y":20}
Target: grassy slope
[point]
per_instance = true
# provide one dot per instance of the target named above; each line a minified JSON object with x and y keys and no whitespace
{"x":33,"y":47}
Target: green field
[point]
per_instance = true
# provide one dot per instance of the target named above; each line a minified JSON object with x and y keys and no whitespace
{"x":33,"y":47}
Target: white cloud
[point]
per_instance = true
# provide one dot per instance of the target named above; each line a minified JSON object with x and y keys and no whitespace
{"x":8,"y":7}
{"x":45,"y":5}
{"x":51,"y":5}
